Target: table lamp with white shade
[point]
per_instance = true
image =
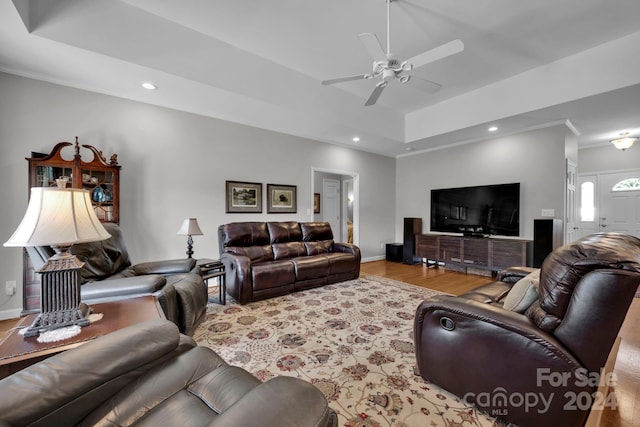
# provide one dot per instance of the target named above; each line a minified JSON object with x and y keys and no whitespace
{"x":190,"y":228}
{"x":60,"y":218}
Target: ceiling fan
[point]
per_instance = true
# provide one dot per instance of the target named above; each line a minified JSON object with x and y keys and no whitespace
{"x":385,"y":64}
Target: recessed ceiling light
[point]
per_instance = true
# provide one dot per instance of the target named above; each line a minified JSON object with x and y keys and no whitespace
{"x":355,"y":139}
{"x":493,"y":128}
{"x":149,"y":86}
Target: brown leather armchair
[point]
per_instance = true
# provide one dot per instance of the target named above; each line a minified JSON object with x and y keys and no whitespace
{"x":540,"y":367}
{"x":150,"y":375}
{"x":108,"y":274}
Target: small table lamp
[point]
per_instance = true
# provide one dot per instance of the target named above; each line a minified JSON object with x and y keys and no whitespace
{"x":59,"y":217}
{"x":190,"y":228}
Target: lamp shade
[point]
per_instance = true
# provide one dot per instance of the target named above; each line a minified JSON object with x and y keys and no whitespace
{"x":190,"y":227}
{"x":58,"y":216}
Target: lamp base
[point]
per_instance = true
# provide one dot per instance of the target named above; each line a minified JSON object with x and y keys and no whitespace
{"x":59,"y":319}
{"x":189,"y":247}
{"x":60,"y":303}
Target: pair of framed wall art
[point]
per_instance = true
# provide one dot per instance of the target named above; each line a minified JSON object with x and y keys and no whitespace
{"x":246,"y":197}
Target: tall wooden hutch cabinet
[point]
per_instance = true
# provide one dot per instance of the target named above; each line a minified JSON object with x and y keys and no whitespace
{"x":97,"y":175}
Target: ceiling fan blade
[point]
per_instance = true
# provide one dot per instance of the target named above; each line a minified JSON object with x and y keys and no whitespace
{"x":377,"y":91}
{"x":346,"y":79}
{"x":424,"y":84}
{"x":442,"y":51}
{"x":373,"y":46}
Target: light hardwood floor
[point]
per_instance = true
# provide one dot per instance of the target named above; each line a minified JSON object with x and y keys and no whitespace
{"x":627,"y":367}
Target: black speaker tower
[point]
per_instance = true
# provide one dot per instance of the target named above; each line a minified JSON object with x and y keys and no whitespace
{"x":547,"y":236}
{"x":412,"y":226}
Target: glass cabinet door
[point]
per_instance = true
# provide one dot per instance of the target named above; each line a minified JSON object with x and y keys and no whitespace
{"x":100,"y":184}
{"x":46,"y":175}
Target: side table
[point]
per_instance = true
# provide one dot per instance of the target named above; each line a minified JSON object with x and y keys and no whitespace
{"x":214,"y":269}
{"x":18,"y":352}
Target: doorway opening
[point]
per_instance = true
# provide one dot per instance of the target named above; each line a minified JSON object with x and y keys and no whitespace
{"x":338,"y":194}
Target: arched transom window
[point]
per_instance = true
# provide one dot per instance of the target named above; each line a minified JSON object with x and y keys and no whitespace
{"x":629,"y":184}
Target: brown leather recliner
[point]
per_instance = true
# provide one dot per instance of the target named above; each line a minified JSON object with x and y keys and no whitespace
{"x":108,"y":275}
{"x":538,"y":368}
{"x":150,"y":375}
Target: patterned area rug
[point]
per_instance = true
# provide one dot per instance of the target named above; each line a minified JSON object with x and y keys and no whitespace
{"x":353,"y":340}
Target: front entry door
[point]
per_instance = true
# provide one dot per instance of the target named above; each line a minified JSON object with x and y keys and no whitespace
{"x":620,"y":203}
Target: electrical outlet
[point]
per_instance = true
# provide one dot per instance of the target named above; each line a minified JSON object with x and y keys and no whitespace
{"x":548,"y":213}
{"x":10,"y":287}
{"x":381,"y":245}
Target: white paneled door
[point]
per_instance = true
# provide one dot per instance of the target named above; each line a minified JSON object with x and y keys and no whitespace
{"x":609,"y":202}
{"x":331,"y":205}
{"x":619,"y":203}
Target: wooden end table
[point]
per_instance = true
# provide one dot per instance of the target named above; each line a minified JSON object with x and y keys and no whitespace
{"x":18,"y":352}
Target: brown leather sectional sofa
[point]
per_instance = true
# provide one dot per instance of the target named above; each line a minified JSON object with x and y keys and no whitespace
{"x":267,"y":259}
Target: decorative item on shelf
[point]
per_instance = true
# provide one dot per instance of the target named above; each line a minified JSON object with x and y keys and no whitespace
{"x":62,"y":181}
{"x":190,"y":228}
{"x":625,"y":141}
{"x":59,"y":217}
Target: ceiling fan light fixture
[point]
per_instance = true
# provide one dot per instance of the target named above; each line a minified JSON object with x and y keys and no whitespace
{"x":390,"y":68}
{"x":624,"y":142}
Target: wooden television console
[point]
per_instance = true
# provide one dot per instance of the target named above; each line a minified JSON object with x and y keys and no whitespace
{"x":472,"y":254}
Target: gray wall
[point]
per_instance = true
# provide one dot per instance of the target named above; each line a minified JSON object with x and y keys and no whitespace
{"x":535,"y":159}
{"x":174,"y":165}
{"x":607,"y":158}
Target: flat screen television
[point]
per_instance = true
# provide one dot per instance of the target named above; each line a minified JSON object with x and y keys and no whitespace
{"x":477,"y":211}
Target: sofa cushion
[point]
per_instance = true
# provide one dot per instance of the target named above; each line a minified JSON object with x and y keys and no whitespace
{"x":523,"y":293}
{"x":340,"y":263}
{"x":103,"y":258}
{"x":122,"y":288}
{"x":312,"y":231}
{"x":272,"y":274}
{"x":288,"y":250}
{"x":282,"y":232}
{"x":243,"y":234}
{"x":491,"y":293}
{"x":255,"y":253}
{"x":310,"y":267}
{"x":317,"y":248}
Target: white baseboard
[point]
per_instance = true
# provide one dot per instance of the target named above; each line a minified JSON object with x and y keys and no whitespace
{"x":10,"y":314}
{"x":373,"y":258}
